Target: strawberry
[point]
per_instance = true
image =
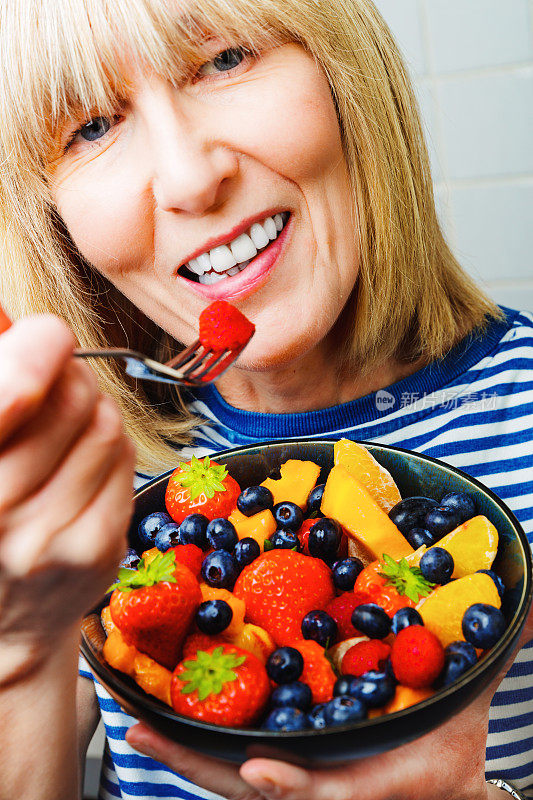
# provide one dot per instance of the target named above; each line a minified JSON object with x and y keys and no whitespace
{"x":201,"y":487}
{"x":341,"y":608}
{"x":279,"y":588}
{"x":200,"y":641}
{"x":417,"y":657}
{"x":224,"y":685}
{"x":303,"y":534}
{"x":392,"y":584}
{"x":317,"y":673}
{"x":364,"y":656}
{"x":154,"y":605}
{"x":223,"y":327}
{"x":190,"y":556}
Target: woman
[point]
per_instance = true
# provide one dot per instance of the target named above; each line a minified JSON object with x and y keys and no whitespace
{"x":148,"y":149}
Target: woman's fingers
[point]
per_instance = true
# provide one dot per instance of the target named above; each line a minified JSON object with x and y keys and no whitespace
{"x":35,"y":450}
{"x":216,"y":776}
{"x":32,"y":354}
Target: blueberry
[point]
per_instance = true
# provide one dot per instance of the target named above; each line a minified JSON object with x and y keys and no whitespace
{"x":246,"y":551}
{"x":318,"y":625}
{"x":409,"y":513}
{"x":295,"y":695}
{"x":462,"y":503}
{"x":221,"y":534}
{"x":466,"y":649}
{"x":455,"y":664}
{"x":314,"y":500}
{"x":167,"y":536}
{"x":285,"y":540}
{"x":419,"y":536}
{"x":457,"y":660}
{"x":374,"y":688}
{"x":483,"y":625}
{"x":219,"y":569}
{"x":324,"y":539}
{"x":343,"y":710}
{"x":149,"y":527}
{"x":316,"y":717}
{"x":285,"y":665}
{"x":288,"y":516}
{"x":497,"y":580}
{"x":214,"y":616}
{"x":344,"y":685}
{"x":254,"y":499}
{"x":192,"y":531}
{"x":345,"y":573}
{"x":441,"y":520}
{"x":372,"y":620}
{"x":286,"y":719}
{"x":130,"y":560}
{"x":436,"y":565}
{"x":404,"y":618}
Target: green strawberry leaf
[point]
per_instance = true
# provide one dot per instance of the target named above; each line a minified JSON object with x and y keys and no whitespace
{"x":208,"y":673}
{"x":407,"y":580}
{"x":201,"y":477}
{"x":160,"y":569}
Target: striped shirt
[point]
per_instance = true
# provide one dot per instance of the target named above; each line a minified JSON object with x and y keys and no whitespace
{"x":472,"y":409}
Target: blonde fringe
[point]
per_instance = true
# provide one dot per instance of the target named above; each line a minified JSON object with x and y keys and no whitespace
{"x":412,"y":300}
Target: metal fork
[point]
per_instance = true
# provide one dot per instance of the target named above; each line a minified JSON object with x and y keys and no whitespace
{"x":195,"y":366}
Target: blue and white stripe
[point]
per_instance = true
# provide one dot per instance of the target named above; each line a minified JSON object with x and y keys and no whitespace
{"x":474,"y":410}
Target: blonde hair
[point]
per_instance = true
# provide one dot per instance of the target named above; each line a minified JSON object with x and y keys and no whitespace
{"x":412,"y":299}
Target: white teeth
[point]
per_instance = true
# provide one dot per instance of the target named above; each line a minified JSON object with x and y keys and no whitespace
{"x":194,"y":266}
{"x":222,"y":258}
{"x":270,"y":228}
{"x":243,"y":248}
{"x":232,"y":258}
{"x":258,"y":235}
{"x":204,"y":262}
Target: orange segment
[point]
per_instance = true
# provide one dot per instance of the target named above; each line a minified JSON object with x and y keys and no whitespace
{"x":297,"y":480}
{"x":405,"y":697}
{"x":150,"y":676}
{"x":442,"y":611}
{"x":346,"y":500}
{"x":473,"y":545}
{"x":356,"y":460}
{"x":236,"y":604}
{"x":259,"y":526}
{"x":256,"y":640}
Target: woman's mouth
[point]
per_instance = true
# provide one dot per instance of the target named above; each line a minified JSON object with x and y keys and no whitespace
{"x":229,"y":259}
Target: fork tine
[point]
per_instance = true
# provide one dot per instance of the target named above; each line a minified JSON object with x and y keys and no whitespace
{"x":182,"y":358}
{"x":218,"y":366}
{"x":195,"y":363}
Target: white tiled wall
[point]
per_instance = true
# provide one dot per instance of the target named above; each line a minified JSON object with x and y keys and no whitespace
{"x":472,"y":65}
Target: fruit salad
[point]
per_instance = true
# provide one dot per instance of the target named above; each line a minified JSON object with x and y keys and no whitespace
{"x":294,"y":606}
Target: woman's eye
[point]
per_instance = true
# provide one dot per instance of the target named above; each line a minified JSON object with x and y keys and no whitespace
{"x":223,"y":62}
{"x":95,"y":129}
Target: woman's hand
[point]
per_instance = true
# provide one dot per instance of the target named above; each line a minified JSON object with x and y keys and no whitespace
{"x":66,"y":471}
{"x":446,"y":764}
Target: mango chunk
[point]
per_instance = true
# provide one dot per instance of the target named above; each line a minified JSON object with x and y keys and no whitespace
{"x":237,"y":606}
{"x":297,"y":480}
{"x":151,"y":676}
{"x":259,"y":526}
{"x":347,"y":501}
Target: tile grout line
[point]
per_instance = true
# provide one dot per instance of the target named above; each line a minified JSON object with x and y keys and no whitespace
{"x":481,"y":72}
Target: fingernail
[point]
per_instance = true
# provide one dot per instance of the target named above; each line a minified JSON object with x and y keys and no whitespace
{"x":266,"y":786}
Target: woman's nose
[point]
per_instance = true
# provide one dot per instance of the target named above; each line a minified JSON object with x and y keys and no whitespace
{"x":192,"y":168}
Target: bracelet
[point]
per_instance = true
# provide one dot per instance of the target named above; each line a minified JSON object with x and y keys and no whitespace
{"x":501,"y":784}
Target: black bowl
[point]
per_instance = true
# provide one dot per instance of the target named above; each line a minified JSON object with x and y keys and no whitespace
{"x":414,"y":474}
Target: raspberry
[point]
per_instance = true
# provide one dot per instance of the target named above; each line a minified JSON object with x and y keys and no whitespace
{"x":417,"y":657}
{"x":341,"y":610}
{"x":364,"y":656}
{"x":223,"y":327}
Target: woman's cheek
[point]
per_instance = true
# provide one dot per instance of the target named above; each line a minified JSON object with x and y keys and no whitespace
{"x":108,"y":221}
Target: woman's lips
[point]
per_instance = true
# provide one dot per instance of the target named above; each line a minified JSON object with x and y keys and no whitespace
{"x":251,"y":278}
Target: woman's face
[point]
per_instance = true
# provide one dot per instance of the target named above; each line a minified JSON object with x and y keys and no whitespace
{"x":193,"y":172}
